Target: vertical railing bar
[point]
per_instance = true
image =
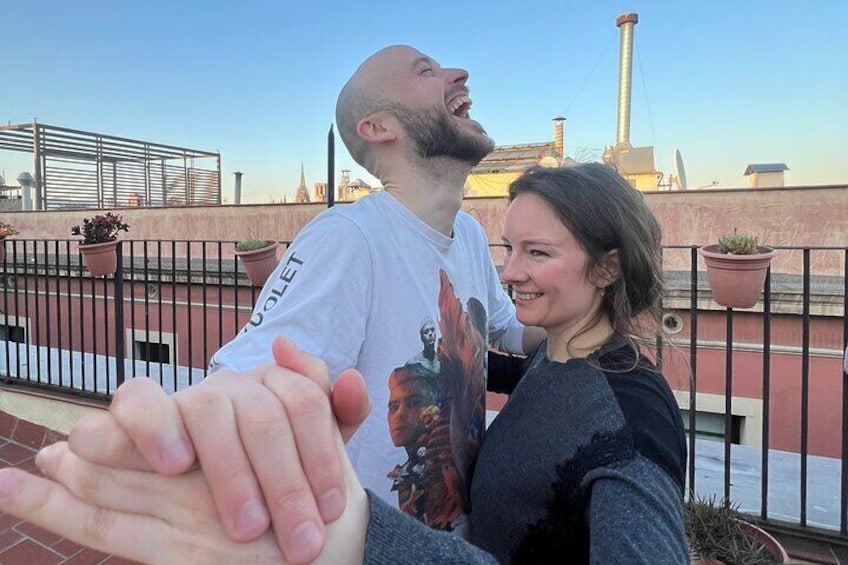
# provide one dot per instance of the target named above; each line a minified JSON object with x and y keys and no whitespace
{"x":728,"y":404}
{"x":805,"y":384}
{"x":159,"y":306}
{"x":106,"y":333}
{"x":147,"y":308}
{"x":94,"y":331}
{"x":59,"y":312}
{"x":660,"y":342}
{"x":6,"y":308}
{"x":205,"y":318}
{"x":29,"y":337}
{"x":764,"y":464}
{"x":37,"y":308}
{"x":188,"y":315}
{"x":80,"y":280}
{"x":120,"y":334}
{"x":174,"y":312}
{"x":693,"y":362}
{"x":235,"y":297}
{"x":132,"y":351}
{"x":220,"y":297}
{"x":843,"y":513}
{"x":70,"y":318}
{"x":47,"y":319}
{"x":18,"y":311}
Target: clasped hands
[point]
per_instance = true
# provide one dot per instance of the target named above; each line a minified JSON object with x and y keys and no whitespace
{"x":245,"y":467}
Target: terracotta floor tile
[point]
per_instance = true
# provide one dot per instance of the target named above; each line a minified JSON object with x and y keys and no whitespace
{"x":29,"y":434}
{"x":66,"y":547}
{"x":40,"y":535}
{"x":7,"y":521}
{"x":87,"y":556}
{"x":15,"y":454}
{"x":29,"y":553}
{"x":7,"y":425}
{"x":9,"y":538}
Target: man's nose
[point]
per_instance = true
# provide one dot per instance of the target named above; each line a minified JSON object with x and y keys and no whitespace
{"x":456,"y":76}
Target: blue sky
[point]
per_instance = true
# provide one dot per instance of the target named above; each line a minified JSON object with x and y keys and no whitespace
{"x":727,"y":82}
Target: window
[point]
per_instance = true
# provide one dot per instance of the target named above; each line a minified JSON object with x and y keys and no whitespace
{"x":712,"y":426}
{"x":151,"y":351}
{"x":15,"y":334}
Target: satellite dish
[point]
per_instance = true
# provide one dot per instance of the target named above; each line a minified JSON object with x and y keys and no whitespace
{"x":679,"y":170}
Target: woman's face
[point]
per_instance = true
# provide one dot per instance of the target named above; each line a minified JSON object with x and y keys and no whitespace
{"x":546,"y":265}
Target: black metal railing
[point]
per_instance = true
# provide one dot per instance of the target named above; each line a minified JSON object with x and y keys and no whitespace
{"x":171,"y":304}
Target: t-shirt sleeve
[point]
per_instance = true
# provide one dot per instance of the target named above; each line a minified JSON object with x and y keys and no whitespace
{"x":317,"y":297}
{"x":394,"y":537}
{"x":635,"y":515}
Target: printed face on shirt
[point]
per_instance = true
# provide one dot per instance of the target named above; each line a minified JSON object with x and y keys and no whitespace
{"x":428,"y":334}
{"x":408,"y":396}
{"x":546,"y":265}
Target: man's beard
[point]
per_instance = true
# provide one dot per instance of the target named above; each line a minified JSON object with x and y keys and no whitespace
{"x":434,"y":135}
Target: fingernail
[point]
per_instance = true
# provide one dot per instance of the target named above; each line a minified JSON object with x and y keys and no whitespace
{"x":252,"y":519}
{"x":304,"y":543}
{"x":175,"y":453}
{"x":44,"y":458}
{"x":331,"y":504}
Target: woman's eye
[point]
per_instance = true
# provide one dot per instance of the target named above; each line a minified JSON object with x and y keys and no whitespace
{"x":537,"y":253}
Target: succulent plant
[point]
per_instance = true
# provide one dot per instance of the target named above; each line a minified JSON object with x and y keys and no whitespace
{"x":715,"y":529}
{"x":251,"y":244}
{"x":739,"y":244}
{"x":100,"y":228}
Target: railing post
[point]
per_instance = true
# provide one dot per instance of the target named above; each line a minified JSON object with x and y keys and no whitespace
{"x":120,"y":354}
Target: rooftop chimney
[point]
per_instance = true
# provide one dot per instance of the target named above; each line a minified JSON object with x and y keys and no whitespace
{"x":237,"y":195}
{"x":625,"y":75}
{"x":559,"y":139}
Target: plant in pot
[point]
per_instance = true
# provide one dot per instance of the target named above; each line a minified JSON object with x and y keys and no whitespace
{"x":6,"y":230}
{"x":99,"y":241}
{"x":259,"y":257}
{"x":717,"y":533}
{"x":736,"y":267}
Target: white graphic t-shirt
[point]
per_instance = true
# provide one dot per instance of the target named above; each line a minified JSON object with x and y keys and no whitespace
{"x":371,"y":286}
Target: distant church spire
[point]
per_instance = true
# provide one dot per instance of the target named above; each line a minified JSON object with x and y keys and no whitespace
{"x":302,"y":195}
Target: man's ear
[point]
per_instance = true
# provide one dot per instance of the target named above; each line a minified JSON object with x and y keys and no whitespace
{"x":607,"y":270}
{"x":377,"y":127}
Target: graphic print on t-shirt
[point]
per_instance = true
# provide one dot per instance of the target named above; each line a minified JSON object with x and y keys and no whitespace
{"x":437,"y":410}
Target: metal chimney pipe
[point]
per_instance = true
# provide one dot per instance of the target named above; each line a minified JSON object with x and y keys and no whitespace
{"x":559,"y":137}
{"x":237,"y":197}
{"x":625,"y":75}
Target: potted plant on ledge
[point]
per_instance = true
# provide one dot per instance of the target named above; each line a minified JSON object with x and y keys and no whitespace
{"x":736,"y":267}
{"x":717,"y":533}
{"x":6,"y":230}
{"x":259,"y":257}
{"x":99,"y":242}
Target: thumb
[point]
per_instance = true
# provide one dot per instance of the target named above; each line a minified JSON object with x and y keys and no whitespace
{"x":351,"y":404}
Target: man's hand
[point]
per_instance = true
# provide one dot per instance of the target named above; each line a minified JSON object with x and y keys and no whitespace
{"x":244,"y":429}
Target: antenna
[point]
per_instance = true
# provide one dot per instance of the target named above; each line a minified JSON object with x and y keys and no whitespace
{"x":679,"y":175}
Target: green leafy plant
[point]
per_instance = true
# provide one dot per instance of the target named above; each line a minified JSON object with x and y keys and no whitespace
{"x":7,"y":230}
{"x":100,"y":228}
{"x":715,"y":529}
{"x":739,"y":244}
{"x":251,"y":244}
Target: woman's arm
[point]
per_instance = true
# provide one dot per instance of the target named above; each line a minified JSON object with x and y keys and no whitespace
{"x":635,"y":515}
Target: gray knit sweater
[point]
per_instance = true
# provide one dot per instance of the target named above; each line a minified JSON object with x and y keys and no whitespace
{"x":584,"y":464}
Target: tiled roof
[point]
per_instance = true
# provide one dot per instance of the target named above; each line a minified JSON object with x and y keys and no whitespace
{"x":22,"y":543}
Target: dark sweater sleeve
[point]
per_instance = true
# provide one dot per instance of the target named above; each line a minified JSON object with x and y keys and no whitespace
{"x":394,"y":537}
{"x":504,"y":372}
{"x":635,"y":515}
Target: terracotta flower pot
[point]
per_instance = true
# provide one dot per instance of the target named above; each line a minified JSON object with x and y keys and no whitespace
{"x":100,"y":258}
{"x":736,"y":280}
{"x":259,"y":263}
